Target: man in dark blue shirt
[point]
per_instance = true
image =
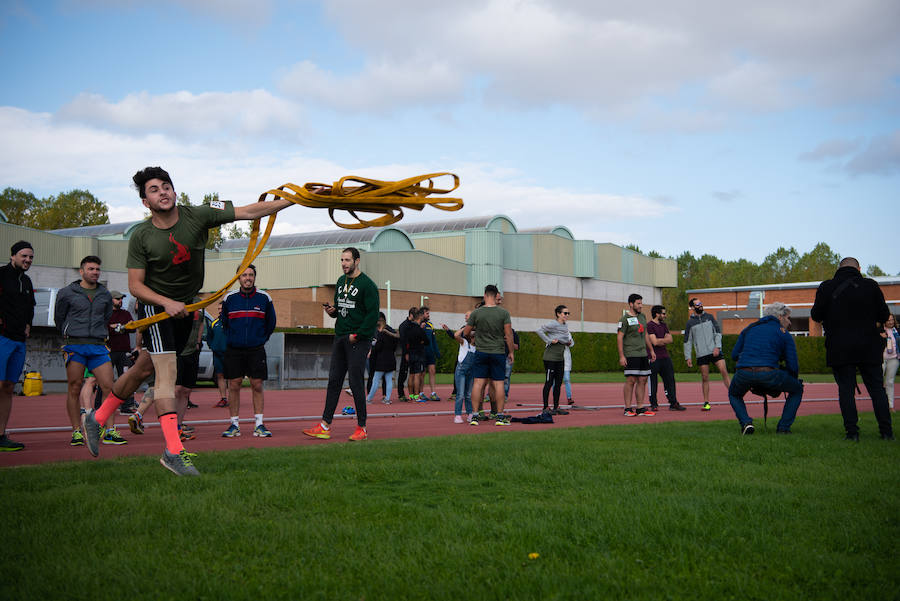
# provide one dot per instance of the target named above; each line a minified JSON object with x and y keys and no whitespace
{"x":758,"y":351}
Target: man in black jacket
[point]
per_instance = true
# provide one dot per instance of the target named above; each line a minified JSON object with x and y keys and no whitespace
{"x":852,"y":310}
{"x":16,"y":313}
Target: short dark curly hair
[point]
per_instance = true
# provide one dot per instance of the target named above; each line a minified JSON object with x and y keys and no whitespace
{"x":143,"y":176}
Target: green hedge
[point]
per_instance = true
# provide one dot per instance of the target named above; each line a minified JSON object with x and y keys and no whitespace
{"x":597,"y":352}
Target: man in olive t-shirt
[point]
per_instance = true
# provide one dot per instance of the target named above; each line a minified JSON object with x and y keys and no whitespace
{"x":165,"y":271}
{"x":635,"y":355}
{"x":493,"y":330}
{"x":356,"y":306}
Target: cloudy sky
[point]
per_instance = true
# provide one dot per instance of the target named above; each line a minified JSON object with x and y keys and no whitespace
{"x":708,"y":126}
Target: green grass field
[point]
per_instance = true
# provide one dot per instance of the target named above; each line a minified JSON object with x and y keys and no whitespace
{"x":650,"y":511}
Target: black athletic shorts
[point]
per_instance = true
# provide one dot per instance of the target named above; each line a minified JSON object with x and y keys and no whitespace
{"x":637,"y":366}
{"x":250,"y":362}
{"x":168,"y":335}
{"x":187,"y":366}
{"x":709,"y":359}
{"x":416,"y":363}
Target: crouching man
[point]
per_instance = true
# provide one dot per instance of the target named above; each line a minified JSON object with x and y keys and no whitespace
{"x":757,"y":353}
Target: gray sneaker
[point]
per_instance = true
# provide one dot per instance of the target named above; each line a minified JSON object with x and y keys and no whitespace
{"x":92,"y":431}
{"x":180,"y":464}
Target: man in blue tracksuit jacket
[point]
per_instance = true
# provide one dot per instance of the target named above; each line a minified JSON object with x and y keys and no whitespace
{"x":757,"y":353}
{"x":248,"y":317}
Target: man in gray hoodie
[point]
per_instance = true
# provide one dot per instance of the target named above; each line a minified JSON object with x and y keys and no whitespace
{"x":704,"y":335}
{"x":82,"y":313}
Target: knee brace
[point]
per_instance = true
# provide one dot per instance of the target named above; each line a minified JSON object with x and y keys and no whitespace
{"x":165,"y":366}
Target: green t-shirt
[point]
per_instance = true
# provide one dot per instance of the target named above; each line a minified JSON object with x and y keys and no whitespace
{"x":357,"y":303}
{"x":173,"y":258}
{"x":635,"y":328}
{"x":488,"y":324}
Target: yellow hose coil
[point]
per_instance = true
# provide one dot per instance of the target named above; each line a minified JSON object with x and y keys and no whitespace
{"x":384,"y":198}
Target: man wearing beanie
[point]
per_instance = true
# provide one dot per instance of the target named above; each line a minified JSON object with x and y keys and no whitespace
{"x":16,"y":313}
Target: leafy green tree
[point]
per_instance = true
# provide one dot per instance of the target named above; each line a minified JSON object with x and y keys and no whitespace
{"x":818,"y":264}
{"x":75,"y":208}
{"x":874,"y":271}
{"x":19,"y":205}
{"x":778,"y":267}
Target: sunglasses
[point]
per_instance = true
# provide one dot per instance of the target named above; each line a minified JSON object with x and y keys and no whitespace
{"x":565,"y":313}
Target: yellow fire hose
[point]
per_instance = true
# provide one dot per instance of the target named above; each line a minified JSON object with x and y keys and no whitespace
{"x":384,"y":198}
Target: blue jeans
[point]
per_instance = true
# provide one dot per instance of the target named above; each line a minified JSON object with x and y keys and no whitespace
{"x":509,"y":367}
{"x":568,"y":384}
{"x":464,"y":381}
{"x":376,"y":382}
{"x":777,"y":379}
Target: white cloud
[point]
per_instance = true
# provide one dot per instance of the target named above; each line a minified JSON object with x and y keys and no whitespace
{"x":880,"y":157}
{"x":103,"y":162}
{"x":186,"y":115}
{"x":381,"y":86}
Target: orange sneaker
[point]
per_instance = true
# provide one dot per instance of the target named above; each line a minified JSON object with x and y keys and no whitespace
{"x":318,"y":431}
{"x":359,"y":434}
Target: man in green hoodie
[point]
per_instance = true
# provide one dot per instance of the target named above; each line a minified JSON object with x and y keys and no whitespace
{"x":355,"y":309}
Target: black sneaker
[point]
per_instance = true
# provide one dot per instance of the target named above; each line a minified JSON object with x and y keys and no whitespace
{"x":747,"y":429}
{"x":10,"y":445}
{"x":854,"y":437}
{"x":677,"y":407}
{"x":561,"y":411}
{"x":191,"y":405}
{"x":654,"y":407}
{"x":887,"y":436}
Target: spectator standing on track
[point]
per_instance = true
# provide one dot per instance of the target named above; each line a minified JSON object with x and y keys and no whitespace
{"x":492,"y":325}
{"x":757,"y":353}
{"x":852,"y":310}
{"x":403,"y":330}
{"x":217,"y":341}
{"x":165,"y":270}
{"x":383,"y":360}
{"x":659,"y":335}
{"x":249,"y":317}
{"x":704,"y":335}
{"x":16,"y":314}
{"x":392,"y":333}
{"x":462,"y":375}
{"x":356,"y":312}
{"x":82,"y":313}
{"x":509,"y":364}
{"x":416,"y":342}
{"x":891,"y":357}
{"x":635,"y":355}
{"x":432,"y":352}
{"x":557,"y":338}
{"x":120,"y":347}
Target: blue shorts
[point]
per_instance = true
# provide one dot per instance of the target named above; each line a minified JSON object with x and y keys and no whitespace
{"x":491,"y":366}
{"x":12,"y":359}
{"x":89,"y":355}
{"x":218,"y":363}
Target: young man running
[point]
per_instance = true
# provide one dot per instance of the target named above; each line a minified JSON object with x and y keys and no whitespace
{"x":16,"y":313}
{"x":635,"y":355}
{"x":356,"y":306}
{"x":165,"y":271}
{"x":703,"y":334}
{"x":82,"y":313}
{"x":493,"y":326}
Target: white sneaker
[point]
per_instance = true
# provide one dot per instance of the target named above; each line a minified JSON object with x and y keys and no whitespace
{"x":458,"y":419}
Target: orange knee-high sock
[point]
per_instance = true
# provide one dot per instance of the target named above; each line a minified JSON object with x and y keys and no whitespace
{"x":169,"y":424}
{"x":111,"y":403}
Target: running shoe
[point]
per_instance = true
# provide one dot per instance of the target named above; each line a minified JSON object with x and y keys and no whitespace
{"x":185,"y":434}
{"x":629,"y":412}
{"x":493,"y":416}
{"x":348,"y":391}
{"x":187,"y":428}
{"x":192,"y":405}
{"x":10,"y":445}
{"x":136,"y":423}
{"x":706,"y":406}
{"x":232,"y":431}
{"x":435,"y":397}
{"x":385,"y":401}
{"x":452,"y":397}
{"x":473,"y":420}
{"x":180,"y":464}
{"x":480,"y":416}
{"x":458,"y":419}
{"x":646,"y":412}
{"x":92,"y":432}
{"x":502,"y":420}
{"x":112,"y":436}
{"x":562,"y":411}
{"x":419,"y":398}
{"x":127,"y":408}
{"x":77,"y":438}
{"x":654,"y":407}
{"x":223,"y":402}
{"x":318,"y":431}
{"x":677,"y":407}
{"x":571,"y":401}
{"x":403,"y":399}
{"x":747,"y":429}
{"x":359,"y":434}
{"x":261,"y":431}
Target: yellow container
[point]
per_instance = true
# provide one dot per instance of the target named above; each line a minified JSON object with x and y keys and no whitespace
{"x":33,"y":384}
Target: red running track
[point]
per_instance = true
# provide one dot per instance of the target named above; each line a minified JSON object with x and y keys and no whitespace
{"x":42,"y":425}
